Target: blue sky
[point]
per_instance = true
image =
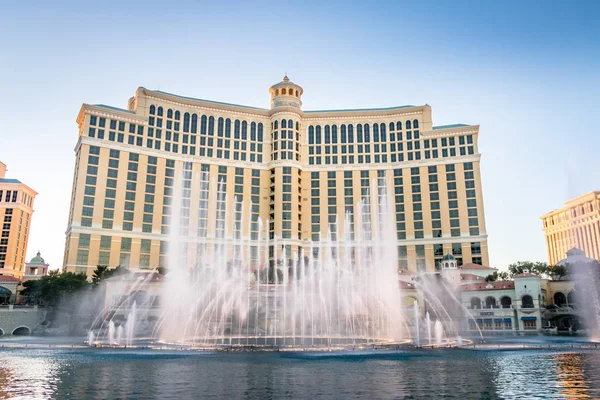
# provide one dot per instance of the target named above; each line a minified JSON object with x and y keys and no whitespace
{"x":527,"y":72}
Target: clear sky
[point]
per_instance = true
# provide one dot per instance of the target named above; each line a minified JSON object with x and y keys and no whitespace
{"x":527,"y":71}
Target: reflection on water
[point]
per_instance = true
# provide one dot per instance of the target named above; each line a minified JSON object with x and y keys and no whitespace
{"x":571,"y":375}
{"x":460,"y":374}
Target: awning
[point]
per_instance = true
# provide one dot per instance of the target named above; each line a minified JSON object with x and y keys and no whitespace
{"x":528,"y":318}
{"x":478,"y":321}
{"x":487,"y":320}
{"x":497,"y":320}
{"x":507,"y":320}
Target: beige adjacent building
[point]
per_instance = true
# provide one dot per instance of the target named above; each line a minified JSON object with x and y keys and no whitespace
{"x":16,"y":209}
{"x":577,"y":224}
{"x":208,"y":166}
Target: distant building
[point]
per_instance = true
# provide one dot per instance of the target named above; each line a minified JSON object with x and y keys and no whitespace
{"x":16,"y":209}
{"x":36,"y":268}
{"x":577,"y":224}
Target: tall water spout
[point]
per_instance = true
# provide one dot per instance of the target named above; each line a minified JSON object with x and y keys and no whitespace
{"x":111,"y":333}
{"x":428,"y":327}
{"x":439,"y":332}
{"x":417,"y":318}
{"x":119,"y":335}
{"x":90,"y":339}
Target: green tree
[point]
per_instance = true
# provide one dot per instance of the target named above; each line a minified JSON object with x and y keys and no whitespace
{"x":537,"y":268}
{"x":55,"y":287}
{"x":103,"y":272}
{"x":558,"y":272}
{"x":498,"y":276}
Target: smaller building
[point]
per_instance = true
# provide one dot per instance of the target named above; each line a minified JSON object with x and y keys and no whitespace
{"x":36,"y":268}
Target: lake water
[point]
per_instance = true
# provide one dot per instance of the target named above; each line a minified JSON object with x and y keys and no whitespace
{"x":37,"y":373}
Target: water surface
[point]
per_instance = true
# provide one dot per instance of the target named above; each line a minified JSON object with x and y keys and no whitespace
{"x":34,"y":373}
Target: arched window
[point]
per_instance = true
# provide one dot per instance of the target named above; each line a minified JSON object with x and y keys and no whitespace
{"x":415,"y":124}
{"x":260,"y":132}
{"x":297,"y":94}
{"x":375,"y":133}
{"x":220,"y":127}
{"x":506,"y":302}
{"x":253,"y":131}
{"x":311,"y":135}
{"x":227,"y":128}
{"x":276,"y":92}
{"x":290,"y":124}
{"x":159,"y":111}
{"x":203,"y":125}
{"x":560,"y":299}
{"x":211,"y":126}
{"x":527,"y":301}
{"x":186,"y":122}
{"x":334,"y":138}
{"x":177,"y":115}
{"x":276,"y":125}
{"x":283,"y":124}
{"x":318,"y":135}
{"x":391,"y":126}
{"x":236,"y":129}
{"x":408,"y":125}
{"x":475,"y":302}
{"x":382,"y":133}
{"x":194,"y":123}
{"x":343,"y":133}
{"x":490,"y":302}
{"x":398,"y":126}
{"x":244,"y":130}
{"x":152,"y":109}
{"x":170,"y":113}
{"x":367,"y":133}
{"x":5,"y":295}
{"x":359,"y":133}
{"x":350,"y":133}
{"x":327,"y":134}
{"x":297,"y":126}
{"x":283,"y":91}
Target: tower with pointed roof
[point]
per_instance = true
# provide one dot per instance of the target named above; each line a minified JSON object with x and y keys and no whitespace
{"x":36,"y":268}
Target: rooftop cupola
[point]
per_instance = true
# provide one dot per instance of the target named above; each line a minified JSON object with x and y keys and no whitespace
{"x":286,"y":94}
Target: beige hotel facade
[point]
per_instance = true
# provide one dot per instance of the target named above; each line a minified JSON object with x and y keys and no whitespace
{"x":299,"y":170}
{"x":577,"y":224}
{"x":16,"y":211}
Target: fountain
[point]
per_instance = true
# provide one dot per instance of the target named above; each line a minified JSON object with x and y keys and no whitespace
{"x":585,"y":272}
{"x":90,"y":339}
{"x":340,"y":290}
{"x":230,"y":289}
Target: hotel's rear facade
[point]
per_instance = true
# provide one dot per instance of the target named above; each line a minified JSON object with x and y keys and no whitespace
{"x":296,"y":169}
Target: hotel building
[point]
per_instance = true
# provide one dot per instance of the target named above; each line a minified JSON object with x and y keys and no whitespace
{"x":299,"y":170}
{"x":16,"y":209}
{"x":577,"y":224}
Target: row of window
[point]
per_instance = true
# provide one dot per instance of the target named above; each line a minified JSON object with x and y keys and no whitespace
{"x":363,"y":132}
